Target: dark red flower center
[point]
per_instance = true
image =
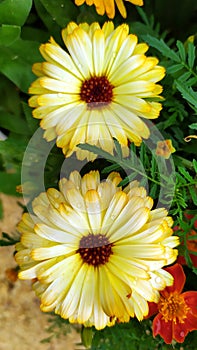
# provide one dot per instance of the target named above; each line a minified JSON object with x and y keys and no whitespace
{"x":173,"y":307}
{"x":96,"y":91}
{"x":95,"y":249}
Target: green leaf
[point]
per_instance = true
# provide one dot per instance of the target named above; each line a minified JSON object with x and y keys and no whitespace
{"x":195,"y":165}
{"x":8,"y":240}
{"x":175,"y":68}
{"x":193,"y":126}
{"x":161,"y":46}
{"x":187,"y":92}
{"x":13,"y":123}
{"x":9,"y":34}
{"x":8,"y":182}
{"x":16,"y":62}
{"x":33,"y":123}
{"x":181,"y":48}
{"x":191,"y":54}
{"x":185,"y":173}
{"x":62,"y":11}
{"x":193,"y":192}
{"x":14,"y":11}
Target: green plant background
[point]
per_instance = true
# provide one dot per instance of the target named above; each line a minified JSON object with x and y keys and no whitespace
{"x":165,"y":25}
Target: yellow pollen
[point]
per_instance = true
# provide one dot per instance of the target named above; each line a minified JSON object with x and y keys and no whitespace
{"x":173,"y":307}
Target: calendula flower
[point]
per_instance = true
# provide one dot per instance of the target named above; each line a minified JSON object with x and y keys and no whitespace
{"x":164,"y":149}
{"x":97,"y":251}
{"x":108,"y":6}
{"x":99,"y":90}
{"x":177,"y":312}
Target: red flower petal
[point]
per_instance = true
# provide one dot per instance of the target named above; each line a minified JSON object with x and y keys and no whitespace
{"x":180,"y":330}
{"x":153,"y":309}
{"x":191,"y":301}
{"x":179,"y":279}
{"x":181,"y":260}
{"x":160,"y":326}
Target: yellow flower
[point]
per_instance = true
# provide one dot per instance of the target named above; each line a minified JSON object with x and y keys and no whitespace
{"x":97,"y":91}
{"x":108,"y":6}
{"x":164,"y":148}
{"x":95,"y":250}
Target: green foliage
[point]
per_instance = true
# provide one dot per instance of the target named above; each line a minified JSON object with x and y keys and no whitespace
{"x":7,"y":239}
{"x":24,"y":24}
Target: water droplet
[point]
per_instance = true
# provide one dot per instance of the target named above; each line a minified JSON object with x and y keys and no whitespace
{"x":14,"y":57}
{"x":26,"y":258}
{"x":182,"y":334}
{"x":80,"y":65}
{"x":62,"y":5}
{"x":158,"y":279}
{"x":54,"y":18}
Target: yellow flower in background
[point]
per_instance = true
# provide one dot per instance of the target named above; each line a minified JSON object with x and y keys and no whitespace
{"x":95,"y":250}
{"x":165,"y":149}
{"x":108,"y":6}
{"x":101,"y":89}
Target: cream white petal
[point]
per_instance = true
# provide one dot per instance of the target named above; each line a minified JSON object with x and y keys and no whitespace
{"x":122,"y":74}
{"x":51,"y":252}
{"x":123,"y":54}
{"x":150,"y":251}
{"x":93,"y":208}
{"x":55,"y":235}
{"x":140,"y":306}
{"x":120,"y":228}
{"x":113,"y":44}
{"x":87,"y":295}
{"x":80,"y":48}
{"x":55,"y":72}
{"x":115,"y":207}
{"x":130,"y":120}
{"x":132,"y":88}
{"x":53,"y":53}
{"x":70,"y":303}
{"x":78,"y":222}
{"x":66,"y":268}
{"x":66,"y":87}
{"x":98,"y":49}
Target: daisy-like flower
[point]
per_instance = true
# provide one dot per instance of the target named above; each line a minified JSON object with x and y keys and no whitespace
{"x":177,"y":312}
{"x":97,"y":251}
{"x":97,"y":90}
{"x":164,"y":149}
{"x":108,"y":6}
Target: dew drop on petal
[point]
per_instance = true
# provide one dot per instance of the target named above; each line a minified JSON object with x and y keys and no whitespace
{"x":26,"y":258}
{"x":182,"y":334}
{"x":158,"y":279}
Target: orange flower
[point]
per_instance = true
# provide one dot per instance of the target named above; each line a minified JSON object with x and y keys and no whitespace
{"x":164,"y":148}
{"x":177,"y":312}
{"x":108,"y":6}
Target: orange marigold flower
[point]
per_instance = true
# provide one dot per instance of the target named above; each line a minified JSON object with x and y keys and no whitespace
{"x":108,"y":6}
{"x":177,"y":312}
{"x":164,"y":148}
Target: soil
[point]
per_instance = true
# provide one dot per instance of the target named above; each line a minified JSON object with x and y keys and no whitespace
{"x":22,"y":324}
